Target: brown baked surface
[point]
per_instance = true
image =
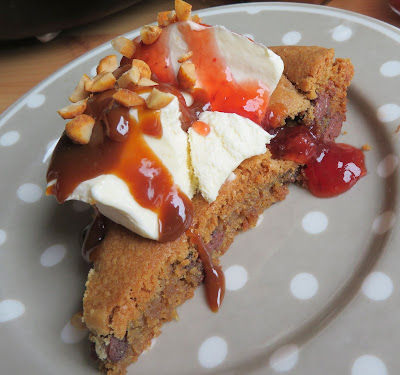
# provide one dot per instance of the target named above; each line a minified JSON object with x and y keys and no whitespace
{"x":136,"y":284}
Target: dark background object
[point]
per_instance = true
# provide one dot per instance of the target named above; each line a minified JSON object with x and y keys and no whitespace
{"x":26,"y":18}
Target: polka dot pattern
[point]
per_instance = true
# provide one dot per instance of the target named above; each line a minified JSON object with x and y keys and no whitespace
{"x":315,"y":222}
{"x":235,"y":277}
{"x":53,"y":255}
{"x":341,"y":33}
{"x":29,"y":193}
{"x":11,"y":309}
{"x":35,"y":100}
{"x":3,"y":236}
{"x":291,"y":38}
{"x":212,"y":352}
{"x":368,"y":365}
{"x":377,"y":286}
{"x":285,"y":358}
{"x":72,"y":335}
{"x":304,"y":286}
{"x":388,"y":112}
{"x":384,"y":222}
{"x":388,"y":165}
{"x":390,"y":68}
{"x":9,"y":138}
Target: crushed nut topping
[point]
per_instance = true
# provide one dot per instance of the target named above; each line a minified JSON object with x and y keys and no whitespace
{"x":128,"y":98}
{"x":183,"y":10}
{"x":107,"y":64}
{"x":124,"y":46}
{"x":79,"y":92}
{"x":101,"y":82}
{"x":150,"y":33}
{"x":158,"y":99}
{"x":197,"y":19}
{"x":73,"y":110}
{"x":166,"y":18}
{"x":144,"y":69}
{"x":146,"y":82}
{"x":187,"y":76}
{"x":132,"y":76}
{"x":79,"y":130}
{"x":185,"y":57}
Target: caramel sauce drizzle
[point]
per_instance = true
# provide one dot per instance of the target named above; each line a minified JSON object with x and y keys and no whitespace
{"x":117,"y":147}
{"x":214,"y":279}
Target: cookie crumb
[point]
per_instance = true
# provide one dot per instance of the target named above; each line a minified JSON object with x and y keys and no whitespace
{"x":366,"y":147}
{"x":77,"y":321}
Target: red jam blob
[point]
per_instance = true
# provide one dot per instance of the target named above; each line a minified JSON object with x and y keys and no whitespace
{"x":296,"y":143}
{"x":330,"y":168}
{"x":334,"y":169}
{"x":274,"y":116}
{"x":214,"y":279}
{"x":201,"y":128}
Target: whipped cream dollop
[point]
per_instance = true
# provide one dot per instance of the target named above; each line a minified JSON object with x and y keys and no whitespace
{"x":238,"y":77}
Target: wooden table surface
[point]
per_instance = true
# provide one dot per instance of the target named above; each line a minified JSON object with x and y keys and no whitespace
{"x":25,"y":63}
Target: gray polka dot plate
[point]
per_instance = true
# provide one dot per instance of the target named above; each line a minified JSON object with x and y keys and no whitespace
{"x":313,"y":289}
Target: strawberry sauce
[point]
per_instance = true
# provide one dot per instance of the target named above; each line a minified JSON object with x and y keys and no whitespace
{"x":330,"y":168}
{"x":224,"y":94}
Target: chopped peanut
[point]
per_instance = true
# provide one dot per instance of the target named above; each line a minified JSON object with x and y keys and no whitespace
{"x":158,"y":99}
{"x":128,"y":98}
{"x":124,"y":46}
{"x":101,"y":82}
{"x":183,"y":10}
{"x":187,"y":76}
{"x":77,"y":321}
{"x":197,"y":19}
{"x":79,"y":130}
{"x":132,"y":76}
{"x":144,"y":69}
{"x":171,"y":16}
{"x":150,"y":33}
{"x":366,"y":147}
{"x":166,"y":18}
{"x":185,"y":57}
{"x":107,"y":64}
{"x":146,"y":82}
{"x":73,"y":110}
{"x":79,"y":92}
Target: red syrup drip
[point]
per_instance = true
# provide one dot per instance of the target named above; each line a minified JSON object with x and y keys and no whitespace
{"x":219,"y":90}
{"x":214,"y":279}
{"x":330,"y":168}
